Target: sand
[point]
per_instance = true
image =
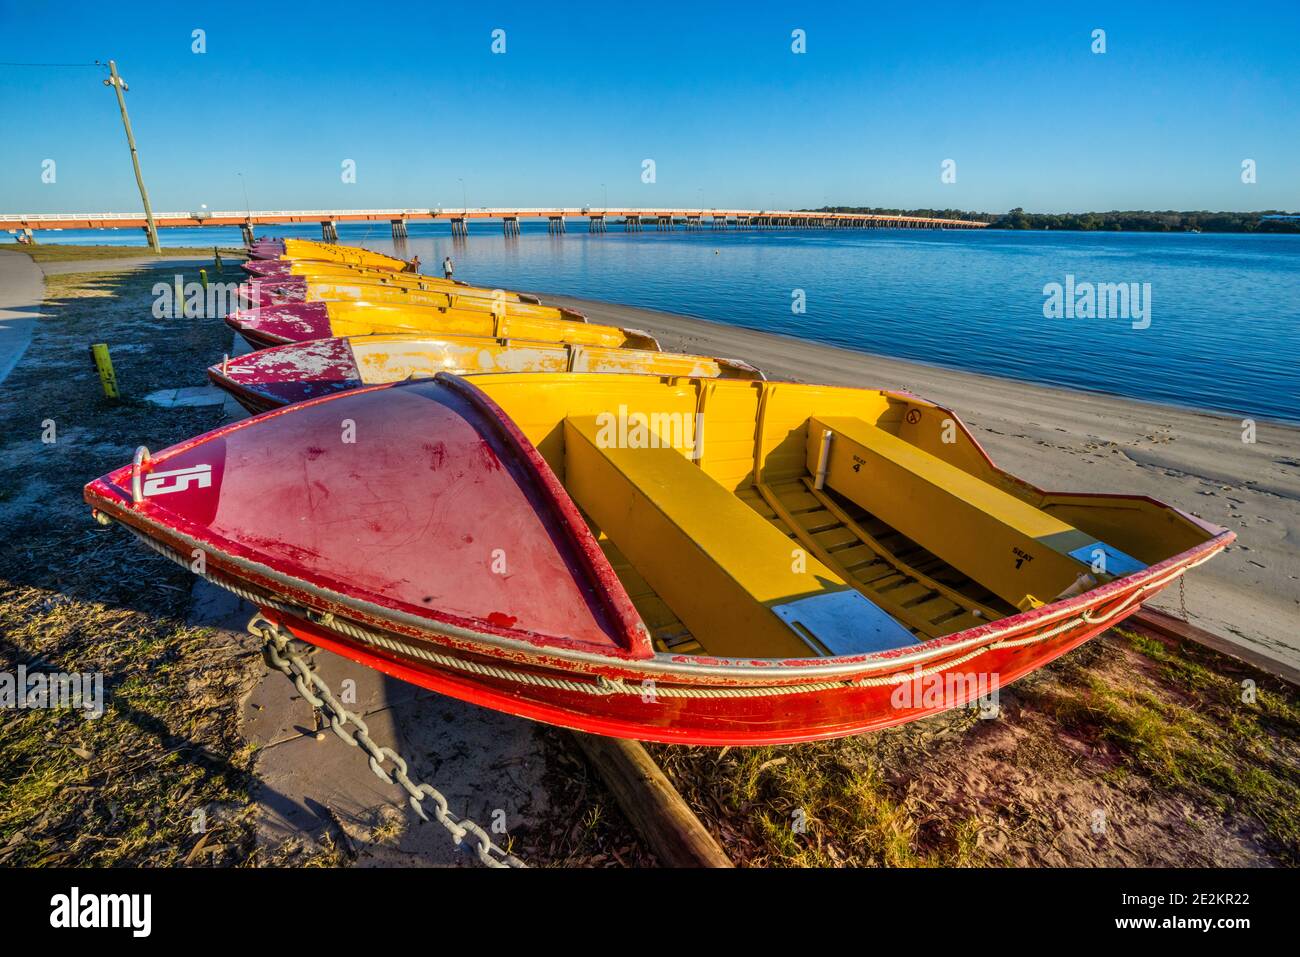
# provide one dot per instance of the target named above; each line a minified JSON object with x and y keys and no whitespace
{"x":1068,"y":440}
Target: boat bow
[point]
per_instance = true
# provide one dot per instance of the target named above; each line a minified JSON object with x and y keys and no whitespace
{"x":416,"y":502}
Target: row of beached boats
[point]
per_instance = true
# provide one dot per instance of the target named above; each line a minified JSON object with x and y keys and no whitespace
{"x":486,"y":495}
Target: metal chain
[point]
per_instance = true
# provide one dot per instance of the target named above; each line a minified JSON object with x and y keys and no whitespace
{"x":1182,"y":596}
{"x":317,"y":693}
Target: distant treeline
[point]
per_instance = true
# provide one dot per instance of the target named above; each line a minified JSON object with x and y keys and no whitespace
{"x":1145,"y":221}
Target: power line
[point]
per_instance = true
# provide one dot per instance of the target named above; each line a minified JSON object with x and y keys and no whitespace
{"x":100,"y":65}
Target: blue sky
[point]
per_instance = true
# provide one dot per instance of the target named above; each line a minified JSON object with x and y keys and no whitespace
{"x":712,"y":93}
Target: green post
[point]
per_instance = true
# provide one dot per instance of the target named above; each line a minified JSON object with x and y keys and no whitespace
{"x":203,"y":278}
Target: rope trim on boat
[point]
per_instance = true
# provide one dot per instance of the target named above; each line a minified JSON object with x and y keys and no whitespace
{"x":650,"y":688}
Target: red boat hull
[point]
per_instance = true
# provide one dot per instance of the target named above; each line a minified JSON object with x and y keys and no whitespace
{"x":766,"y":720}
{"x":379,"y":554}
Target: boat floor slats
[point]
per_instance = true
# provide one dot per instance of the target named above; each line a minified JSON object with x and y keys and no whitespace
{"x":925,"y":594}
{"x":800,"y":502}
{"x":931,"y":606}
{"x":687,"y":647}
{"x":913,"y":560}
{"x":834,"y":538}
{"x":912,"y":622}
{"x":926,"y":597}
{"x":666,"y":629}
{"x":881,"y":577}
{"x":819,"y":522}
{"x":855,"y":557}
{"x":909,"y":582}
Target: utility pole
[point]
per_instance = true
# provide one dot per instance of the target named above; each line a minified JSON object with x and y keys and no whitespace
{"x":119,"y":86}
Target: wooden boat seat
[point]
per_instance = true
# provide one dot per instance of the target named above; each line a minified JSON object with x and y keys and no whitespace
{"x":1021,"y":553}
{"x":739,"y":584}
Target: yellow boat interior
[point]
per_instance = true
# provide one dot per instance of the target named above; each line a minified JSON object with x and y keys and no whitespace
{"x":392,"y":358}
{"x":348,"y":318}
{"x":780,"y":520}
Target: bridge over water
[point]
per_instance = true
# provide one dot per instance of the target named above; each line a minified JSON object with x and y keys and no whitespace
{"x":598,"y":219}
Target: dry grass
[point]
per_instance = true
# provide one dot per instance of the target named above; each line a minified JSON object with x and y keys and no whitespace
{"x":64,"y":253}
{"x":127,"y":788}
{"x":1196,"y":724}
{"x":1127,"y":752}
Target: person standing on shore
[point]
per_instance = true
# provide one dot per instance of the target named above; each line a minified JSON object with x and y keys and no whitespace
{"x":447,"y":268}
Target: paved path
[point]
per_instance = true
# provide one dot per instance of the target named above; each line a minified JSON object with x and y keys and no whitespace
{"x":22,"y":290}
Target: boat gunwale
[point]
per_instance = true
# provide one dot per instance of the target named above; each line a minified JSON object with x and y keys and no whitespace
{"x":219,"y":373}
{"x":255,"y":336}
{"x":254,"y":402}
{"x":691,"y":669}
{"x":292,"y":282}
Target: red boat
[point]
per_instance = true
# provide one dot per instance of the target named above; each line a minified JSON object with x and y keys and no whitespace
{"x":268,"y":268}
{"x":266,"y":249}
{"x":686,"y":560}
{"x":277,"y":270}
{"x":270,"y":378}
{"x":434,"y":293}
{"x":305,"y":321}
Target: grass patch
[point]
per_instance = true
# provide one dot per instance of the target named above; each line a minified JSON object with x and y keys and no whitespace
{"x":163,"y":776}
{"x":66,"y":253}
{"x":1158,"y":736}
{"x":825,"y":804}
{"x":1201,"y":728}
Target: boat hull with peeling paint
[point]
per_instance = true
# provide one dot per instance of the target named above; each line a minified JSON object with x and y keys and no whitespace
{"x":271,"y":292}
{"x":270,"y":378}
{"x":303,"y":321}
{"x":269,"y":250}
{"x":304,"y":271}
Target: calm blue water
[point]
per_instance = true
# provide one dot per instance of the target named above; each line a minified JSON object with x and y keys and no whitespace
{"x":1224,"y":328}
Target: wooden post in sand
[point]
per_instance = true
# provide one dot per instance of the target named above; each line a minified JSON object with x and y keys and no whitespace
{"x":651,"y":803}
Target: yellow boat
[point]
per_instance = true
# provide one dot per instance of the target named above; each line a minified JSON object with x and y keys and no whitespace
{"x":299,"y":273}
{"x":303,"y":321}
{"x":889,"y":495}
{"x":702,"y":561}
{"x":298,"y":371}
{"x":292,"y":249}
{"x":279,"y":270}
{"x":299,"y":289}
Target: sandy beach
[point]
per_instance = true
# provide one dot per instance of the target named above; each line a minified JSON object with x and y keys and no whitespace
{"x":1067,"y":440}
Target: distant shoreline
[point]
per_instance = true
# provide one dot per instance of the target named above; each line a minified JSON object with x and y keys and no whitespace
{"x":1110,"y":223}
{"x":1266,"y":222}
